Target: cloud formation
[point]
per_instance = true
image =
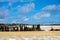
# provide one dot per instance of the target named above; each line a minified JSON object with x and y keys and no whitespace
{"x":40,"y":15}
{"x":19,"y":19}
{"x":51,"y":8}
{"x":16,"y":0}
{"x":26,"y":8}
{"x":45,"y":12}
{"x":4,"y":13}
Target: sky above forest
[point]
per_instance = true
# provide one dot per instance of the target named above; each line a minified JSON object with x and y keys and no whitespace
{"x":30,"y":11}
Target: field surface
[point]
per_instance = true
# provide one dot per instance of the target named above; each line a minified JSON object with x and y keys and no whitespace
{"x":41,"y":33}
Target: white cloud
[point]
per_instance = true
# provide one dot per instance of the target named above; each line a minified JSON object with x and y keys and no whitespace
{"x":19,"y":19}
{"x":51,"y":8}
{"x":26,"y":8}
{"x":26,"y":19}
{"x":21,"y":0}
{"x":3,"y":0}
{"x":40,"y":15}
{"x":10,"y":4}
{"x":14,"y":21}
{"x":2,"y":20}
{"x":46,"y":14}
{"x":4,"y":13}
{"x":16,"y":0}
{"x":46,"y":11}
{"x":58,"y":8}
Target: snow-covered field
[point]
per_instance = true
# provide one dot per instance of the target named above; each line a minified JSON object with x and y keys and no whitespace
{"x":30,"y":35}
{"x":31,"y":38}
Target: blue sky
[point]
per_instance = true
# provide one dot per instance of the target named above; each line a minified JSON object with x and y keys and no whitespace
{"x":30,"y":11}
